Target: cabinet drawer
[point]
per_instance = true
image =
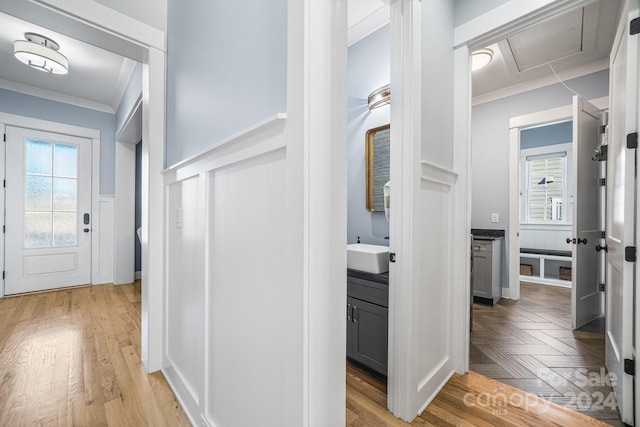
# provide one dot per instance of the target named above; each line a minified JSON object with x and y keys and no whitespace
{"x":366,"y":290}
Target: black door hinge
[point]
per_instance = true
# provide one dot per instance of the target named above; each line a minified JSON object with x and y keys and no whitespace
{"x":2,"y":274}
{"x":602,"y":156}
{"x":634,"y":26}
{"x":4,"y":183}
{"x":602,"y":287}
{"x":5,"y":137}
{"x":630,"y":253}
{"x":4,"y":228}
{"x":392,"y":257}
{"x":630,"y":367}
{"x":603,"y":182}
{"x":602,"y":235}
{"x":632,"y":140}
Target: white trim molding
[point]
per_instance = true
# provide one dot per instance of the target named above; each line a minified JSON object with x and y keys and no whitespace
{"x":438,"y":174}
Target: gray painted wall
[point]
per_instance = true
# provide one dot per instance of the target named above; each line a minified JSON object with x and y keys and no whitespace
{"x":368,"y":68}
{"x":437,"y":83}
{"x":129,"y":98}
{"x":466,"y":10}
{"x":557,"y":133}
{"x":490,"y":145}
{"x":228,"y":81}
{"x":151,"y":12}
{"x":44,"y":109}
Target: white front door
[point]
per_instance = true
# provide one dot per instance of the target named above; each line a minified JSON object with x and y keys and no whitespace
{"x":586,"y":303}
{"x":620,"y":216}
{"x":48,"y":211}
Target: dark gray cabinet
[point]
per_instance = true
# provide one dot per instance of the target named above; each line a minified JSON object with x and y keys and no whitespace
{"x":487,"y":287}
{"x":367,"y":323}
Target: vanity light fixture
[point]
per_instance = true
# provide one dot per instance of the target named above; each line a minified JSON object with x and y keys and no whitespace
{"x":41,"y":53}
{"x":481,"y":58}
{"x":380,"y":97}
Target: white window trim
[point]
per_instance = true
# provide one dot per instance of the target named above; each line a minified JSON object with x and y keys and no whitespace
{"x":567,"y":179}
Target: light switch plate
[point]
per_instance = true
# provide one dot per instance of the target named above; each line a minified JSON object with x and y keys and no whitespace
{"x":495,"y":217}
{"x":179,"y":218}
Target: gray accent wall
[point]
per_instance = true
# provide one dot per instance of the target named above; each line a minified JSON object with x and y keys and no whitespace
{"x":437,"y":83}
{"x":541,"y":136}
{"x":368,"y":68}
{"x":466,"y":10}
{"x":226,"y":71}
{"x":490,"y":145}
{"x":44,"y":109}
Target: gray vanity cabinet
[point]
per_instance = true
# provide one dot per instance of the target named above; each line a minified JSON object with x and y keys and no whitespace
{"x":367,"y":323}
{"x":487,"y":287}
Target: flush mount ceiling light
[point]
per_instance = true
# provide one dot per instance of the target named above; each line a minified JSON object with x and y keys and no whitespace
{"x":481,"y":58}
{"x":41,"y":53}
{"x":380,"y":97}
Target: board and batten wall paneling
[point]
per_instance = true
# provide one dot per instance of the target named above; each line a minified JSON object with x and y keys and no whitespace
{"x":249,"y":301}
{"x":103,"y":265}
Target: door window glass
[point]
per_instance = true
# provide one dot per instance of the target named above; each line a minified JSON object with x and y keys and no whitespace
{"x":51,"y":194}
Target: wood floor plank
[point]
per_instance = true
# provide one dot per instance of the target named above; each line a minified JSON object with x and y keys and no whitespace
{"x":72,"y":358}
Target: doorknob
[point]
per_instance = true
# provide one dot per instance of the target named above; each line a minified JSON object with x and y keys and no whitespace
{"x":584,"y":241}
{"x":86,"y":230}
{"x":601,"y":248}
{"x":569,"y":240}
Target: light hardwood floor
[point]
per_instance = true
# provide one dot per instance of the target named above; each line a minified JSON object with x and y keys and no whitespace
{"x":72,"y":357}
{"x":466,"y":400}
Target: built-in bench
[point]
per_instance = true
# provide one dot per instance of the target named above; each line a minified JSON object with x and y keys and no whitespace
{"x":545,"y":266}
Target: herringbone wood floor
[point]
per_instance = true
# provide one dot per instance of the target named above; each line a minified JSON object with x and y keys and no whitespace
{"x":529,"y":344}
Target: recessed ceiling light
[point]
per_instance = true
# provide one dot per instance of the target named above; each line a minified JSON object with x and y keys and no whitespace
{"x":481,"y":58}
{"x":41,"y":53}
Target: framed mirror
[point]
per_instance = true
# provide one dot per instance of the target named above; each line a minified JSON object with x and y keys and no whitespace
{"x":377,"y":165}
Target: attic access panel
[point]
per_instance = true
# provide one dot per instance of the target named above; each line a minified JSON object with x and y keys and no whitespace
{"x":555,"y":39}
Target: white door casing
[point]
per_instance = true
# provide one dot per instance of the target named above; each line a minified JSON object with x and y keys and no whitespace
{"x":620,"y":215}
{"x":48,"y":214}
{"x":585,"y":293}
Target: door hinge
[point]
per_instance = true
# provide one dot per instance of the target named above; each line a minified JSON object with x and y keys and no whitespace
{"x":603,"y":182}
{"x":5,"y":137}
{"x":392,"y":257}
{"x":630,"y":253}
{"x":602,"y":235}
{"x":634,"y":26}
{"x":602,"y":287}
{"x":632,"y":140}
{"x":2,"y":274}
{"x":602,"y":156}
{"x":4,"y":183}
{"x":4,"y":228}
{"x":630,"y":367}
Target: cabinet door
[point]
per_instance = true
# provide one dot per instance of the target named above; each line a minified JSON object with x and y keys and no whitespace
{"x":369,"y":335}
{"x":349,"y":328}
{"x":482,"y":274}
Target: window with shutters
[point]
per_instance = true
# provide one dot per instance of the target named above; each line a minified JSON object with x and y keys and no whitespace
{"x":546,"y":193}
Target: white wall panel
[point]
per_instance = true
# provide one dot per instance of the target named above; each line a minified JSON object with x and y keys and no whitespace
{"x":104,"y":264}
{"x":185,"y":296}
{"x":249,"y":300}
{"x":545,"y":237}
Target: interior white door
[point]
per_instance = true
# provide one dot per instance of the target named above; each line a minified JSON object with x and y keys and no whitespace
{"x":586,"y":303}
{"x":48,"y":211}
{"x":620,"y":215}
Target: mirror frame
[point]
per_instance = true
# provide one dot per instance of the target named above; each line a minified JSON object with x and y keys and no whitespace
{"x":370,"y":165}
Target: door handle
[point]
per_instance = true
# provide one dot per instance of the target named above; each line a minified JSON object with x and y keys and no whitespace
{"x":601,"y":248}
{"x":86,"y":230}
{"x":583,"y":241}
{"x":570,"y":240}
{"x":86,"y":219}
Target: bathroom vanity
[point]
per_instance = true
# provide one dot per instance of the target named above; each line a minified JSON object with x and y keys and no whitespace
{"x":368,"y":319}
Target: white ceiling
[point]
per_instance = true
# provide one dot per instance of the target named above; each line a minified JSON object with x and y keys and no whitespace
{"x":576,"y":44}
{"x":97,"y":78}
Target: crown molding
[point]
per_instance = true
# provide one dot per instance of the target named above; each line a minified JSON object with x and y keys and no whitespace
{"x":55,"y":96}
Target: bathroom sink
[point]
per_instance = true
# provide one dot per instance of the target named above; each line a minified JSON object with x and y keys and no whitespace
{"x":369,"y":258}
